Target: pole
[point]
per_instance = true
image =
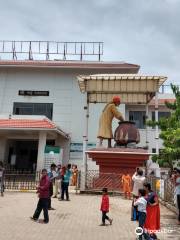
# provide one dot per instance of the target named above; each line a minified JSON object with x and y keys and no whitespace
{"x":147,"y":116}
{"x":85,"y":141}
{"x":156,"y":119}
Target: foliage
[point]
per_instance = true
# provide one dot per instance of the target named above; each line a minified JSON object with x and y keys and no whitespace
{"x":170,"y":132}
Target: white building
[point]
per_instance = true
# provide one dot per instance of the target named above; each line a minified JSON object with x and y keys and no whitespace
{"x":31,"y":90}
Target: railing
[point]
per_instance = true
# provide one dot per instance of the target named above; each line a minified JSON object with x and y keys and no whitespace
{"x":164,"y":187}
{"x":21,"y":181}
{"x":50,"y":50}
{"x":96,"y":181}
{"x":166,"y":88}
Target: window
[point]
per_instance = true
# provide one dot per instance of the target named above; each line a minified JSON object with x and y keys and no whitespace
{"x":139,"y":117}
{"x":33,"y":109}
{"x":160,"y":115}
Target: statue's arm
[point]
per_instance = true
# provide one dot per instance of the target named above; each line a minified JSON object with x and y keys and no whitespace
{"x":117,"y":114}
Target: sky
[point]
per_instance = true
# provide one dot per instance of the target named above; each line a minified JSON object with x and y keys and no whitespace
{"x":141,"y":32}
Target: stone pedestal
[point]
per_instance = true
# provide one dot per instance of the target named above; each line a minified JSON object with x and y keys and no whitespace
{"x":113,"y":162}
{"x":118,"y":160}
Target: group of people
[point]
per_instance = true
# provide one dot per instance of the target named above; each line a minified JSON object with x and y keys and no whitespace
{"x":145,"y":204}
{"x":58,"y":179}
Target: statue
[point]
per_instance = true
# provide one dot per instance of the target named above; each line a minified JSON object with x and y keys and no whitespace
{"x":105,"y":122}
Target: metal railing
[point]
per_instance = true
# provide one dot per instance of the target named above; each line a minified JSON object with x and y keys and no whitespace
{"x":166,"y":88}
{"x":96,"y":181}
{"x":21,"y":181}
{"x":164,"y":187}
{"x":50,"y":50}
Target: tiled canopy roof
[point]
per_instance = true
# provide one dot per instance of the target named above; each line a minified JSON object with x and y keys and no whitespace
{"x":27,"y":123}
{"x":162,"y":101}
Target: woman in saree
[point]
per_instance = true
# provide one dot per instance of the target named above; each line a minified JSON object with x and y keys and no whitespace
{"x":152,"y":223}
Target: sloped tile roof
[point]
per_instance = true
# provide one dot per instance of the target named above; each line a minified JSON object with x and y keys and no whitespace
{"x":27,"y":123}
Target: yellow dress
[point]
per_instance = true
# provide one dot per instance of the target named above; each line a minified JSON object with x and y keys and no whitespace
{"x":105,"y":122}
{"x":126,"y":183}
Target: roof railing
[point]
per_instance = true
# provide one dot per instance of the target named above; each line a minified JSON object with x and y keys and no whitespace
{"x":50,"y":50}
{"x":166,"y":88}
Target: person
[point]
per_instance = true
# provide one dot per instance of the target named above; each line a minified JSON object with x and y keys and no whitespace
{"x":57,"y":181}
{"x":138,"y":180}
{"x":43,"y":193}
{"x":105,"y":207}
{"x":177,"y":192}
{"x":141,"y":204}
{"x":74,"y":175}
{"x":65,"y":183}
{"x":2,"y":178}
{"x":126,"y":184}
{"x":52,"y":175}
{"x":105,"y":123}
{"x":152,"y":223}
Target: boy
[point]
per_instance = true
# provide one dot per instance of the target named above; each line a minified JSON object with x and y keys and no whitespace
{"x":51,"y":175}
{"x":105,"y":207}
{"x":141,"y":203}
{"x":43,"y":191}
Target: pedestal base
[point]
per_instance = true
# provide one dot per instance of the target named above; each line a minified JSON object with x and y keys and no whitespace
{"x":113,"y":162}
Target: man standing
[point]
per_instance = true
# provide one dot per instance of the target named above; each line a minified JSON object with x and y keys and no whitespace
{"x":43,"y":191}
{"x":139,"y":181}
{"x":52,"y":176}
{"x":105,"y":123}
{"x":65,"y":183}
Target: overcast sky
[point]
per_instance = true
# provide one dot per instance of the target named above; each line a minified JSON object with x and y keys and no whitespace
{"x":144,"y":32}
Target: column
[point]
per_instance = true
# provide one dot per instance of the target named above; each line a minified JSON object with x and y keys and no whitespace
{"x":41,"y":148}
{"x":156,"y":119}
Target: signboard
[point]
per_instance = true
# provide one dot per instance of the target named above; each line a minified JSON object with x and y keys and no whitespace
{"x":33,"y":93}
{"x":76,"y":149}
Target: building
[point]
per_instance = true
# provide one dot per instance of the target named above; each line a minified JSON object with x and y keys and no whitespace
{"x":41,"y":105}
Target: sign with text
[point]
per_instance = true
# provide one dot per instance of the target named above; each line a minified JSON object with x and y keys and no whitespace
{"x":33,"y":93}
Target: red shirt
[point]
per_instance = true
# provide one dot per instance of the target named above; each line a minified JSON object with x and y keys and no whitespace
{"x":43,"y":188}
{"x":105,"y":203}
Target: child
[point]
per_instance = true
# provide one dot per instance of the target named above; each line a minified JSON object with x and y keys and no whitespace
{"x":141,"y":203}
{"x":126,"y":184}
{"x":43,"y":191}
{"x":105,"y":207}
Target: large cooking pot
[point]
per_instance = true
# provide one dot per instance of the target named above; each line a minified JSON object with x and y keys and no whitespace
{"x":126,"y":133}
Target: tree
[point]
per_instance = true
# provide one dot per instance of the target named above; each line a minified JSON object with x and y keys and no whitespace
{"x":170,"y":132}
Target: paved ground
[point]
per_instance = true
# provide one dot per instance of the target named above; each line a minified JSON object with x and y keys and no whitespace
{"x":75,"y":220}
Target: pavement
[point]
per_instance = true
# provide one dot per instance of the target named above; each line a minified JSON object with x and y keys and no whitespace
{"x":77,"y":219}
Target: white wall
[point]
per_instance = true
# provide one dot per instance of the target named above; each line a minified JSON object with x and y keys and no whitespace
{"x":68,"y":101}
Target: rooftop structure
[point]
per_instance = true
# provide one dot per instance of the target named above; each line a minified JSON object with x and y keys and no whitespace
{"x":50,"y":50}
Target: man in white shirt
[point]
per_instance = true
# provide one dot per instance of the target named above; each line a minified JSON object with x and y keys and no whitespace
{"x":139,"y":181}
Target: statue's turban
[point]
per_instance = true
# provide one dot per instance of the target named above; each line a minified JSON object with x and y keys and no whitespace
{"x":116,"y":99}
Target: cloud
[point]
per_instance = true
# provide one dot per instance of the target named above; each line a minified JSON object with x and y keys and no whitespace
{"x":136,"y":31}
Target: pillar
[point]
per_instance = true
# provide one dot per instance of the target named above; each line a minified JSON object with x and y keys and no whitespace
{"x":41,"y":148}
{"x":156,"y":119}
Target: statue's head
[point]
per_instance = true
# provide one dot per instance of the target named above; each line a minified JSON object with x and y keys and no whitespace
{"x":116,"y":100}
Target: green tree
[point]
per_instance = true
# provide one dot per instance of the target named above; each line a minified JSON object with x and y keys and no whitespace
{"x":170,"y":132}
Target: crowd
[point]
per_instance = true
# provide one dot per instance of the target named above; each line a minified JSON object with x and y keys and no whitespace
{"x":145,"y":204}
{"x":54,"y":183}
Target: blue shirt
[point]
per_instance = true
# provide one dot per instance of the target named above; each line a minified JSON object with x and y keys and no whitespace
{"x":67,"y":176}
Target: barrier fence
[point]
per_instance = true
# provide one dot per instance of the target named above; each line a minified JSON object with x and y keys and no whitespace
{"x":94,"y":181}
{"x":21,"y":180}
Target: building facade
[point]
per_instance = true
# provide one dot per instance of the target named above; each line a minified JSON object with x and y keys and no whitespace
{"x":41,"y":105}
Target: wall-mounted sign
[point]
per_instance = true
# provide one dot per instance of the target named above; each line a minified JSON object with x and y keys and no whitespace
{"x":33,"y":93}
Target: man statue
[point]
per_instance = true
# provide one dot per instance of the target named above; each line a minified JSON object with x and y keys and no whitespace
{"x":105,"y":122}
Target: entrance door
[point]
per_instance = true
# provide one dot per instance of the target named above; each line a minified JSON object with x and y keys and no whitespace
{"x":26,"y":155}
